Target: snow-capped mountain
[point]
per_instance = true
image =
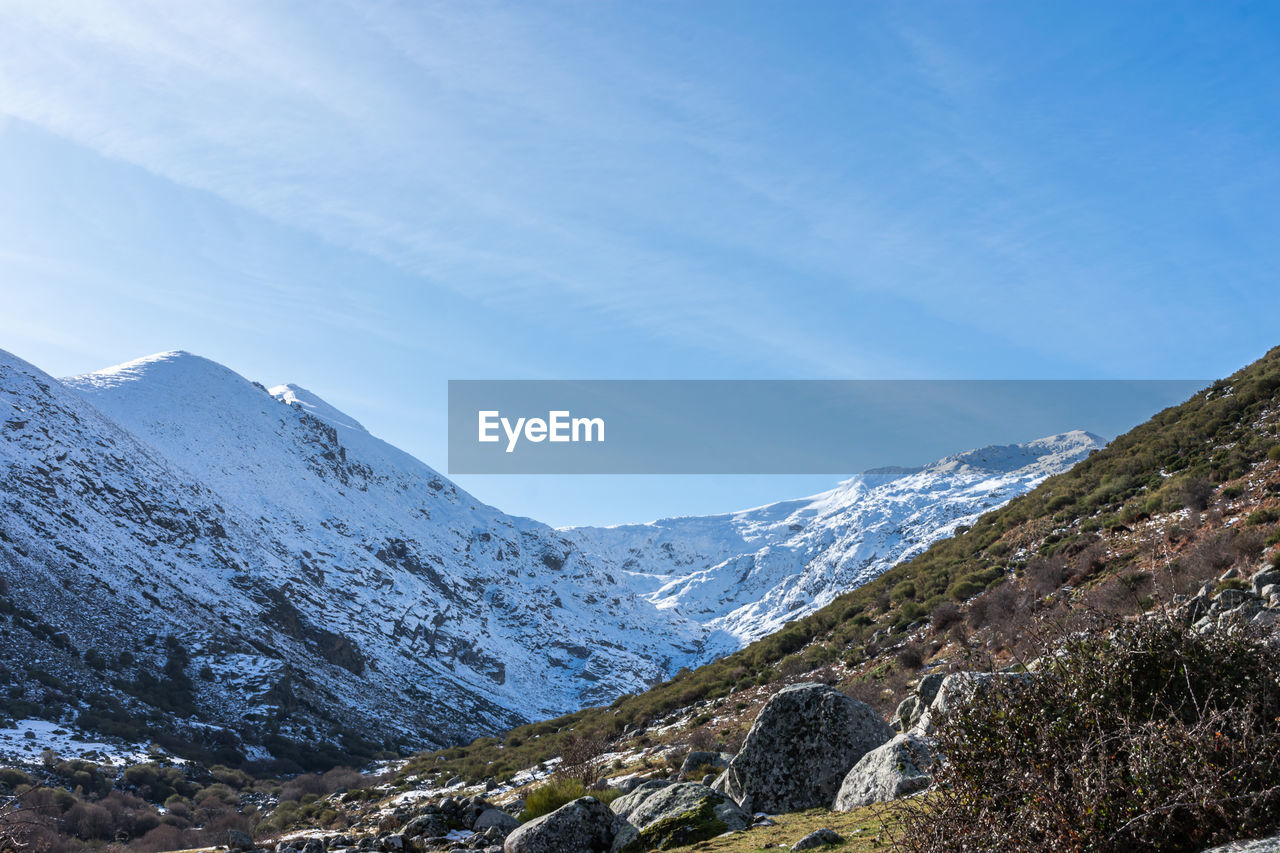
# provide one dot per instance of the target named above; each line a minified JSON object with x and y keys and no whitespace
{"x":310,"y":566}
{"x":746,"y":574}
{"x":183,"y":550}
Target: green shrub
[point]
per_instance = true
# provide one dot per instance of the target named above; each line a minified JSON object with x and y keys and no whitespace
{"x":558,"y":792}
{"x":1145,"y":737}
{"x":965,"y":589}
{"x":1262,"y":516}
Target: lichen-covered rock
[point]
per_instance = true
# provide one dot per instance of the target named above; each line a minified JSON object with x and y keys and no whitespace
{"x":800,"y":747}
{"x":682,"y":814}
{"x":585,"y":825}
{"x":898,"y":768}
{"x":623,"y":806}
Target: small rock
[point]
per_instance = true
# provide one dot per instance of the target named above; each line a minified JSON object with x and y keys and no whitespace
{"x":818,"y":838}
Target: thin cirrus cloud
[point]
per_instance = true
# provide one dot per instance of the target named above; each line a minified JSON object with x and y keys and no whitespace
{"x":409,"y":137}
{"x":846,"y":190}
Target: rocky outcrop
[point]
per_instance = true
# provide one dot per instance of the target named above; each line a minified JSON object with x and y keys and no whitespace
{"x":911,"y":709}
{"x":585,"y":825}
{"x":955,"y":690}
{"x":1258,"y":604}
{"x":898,"y":768}
{"x":800,"y":748}
{"x":680,"y":814}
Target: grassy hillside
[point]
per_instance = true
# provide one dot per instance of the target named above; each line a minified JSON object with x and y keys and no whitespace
{"x":1072,"y":524}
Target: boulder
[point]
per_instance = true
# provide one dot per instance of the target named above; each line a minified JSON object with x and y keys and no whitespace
{"x":800,"y":748}
{"x":818,"y":838}
{"x":495,"y":817}
{"x":429,"y":824}
{"x":699,"y":758}
{"x":913,"y":707}
{"x":628,"y":803}
{"x":898,"y":768}
{"x":1264,"y":579}
{"x":955,"y":690}
{"x":585,"y":825}
{"x":682,"y":814}
{"x":238,"y":839}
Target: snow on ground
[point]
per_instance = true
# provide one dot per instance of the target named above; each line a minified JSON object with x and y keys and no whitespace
{"x":26,"y":741}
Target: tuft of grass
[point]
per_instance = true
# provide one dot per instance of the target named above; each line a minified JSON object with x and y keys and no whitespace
{"x":558,"y":792}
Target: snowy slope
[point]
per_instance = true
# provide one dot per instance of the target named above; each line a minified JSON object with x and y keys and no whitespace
{"x":416,"y":571}
{"x":312,"y":568}
{"x":748,"y":573}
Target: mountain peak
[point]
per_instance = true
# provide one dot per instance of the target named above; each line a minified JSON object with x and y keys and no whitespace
{"x":173,"y":367}
{"x":296,"y":395}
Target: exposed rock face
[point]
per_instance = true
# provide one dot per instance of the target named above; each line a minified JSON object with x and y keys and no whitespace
{"x":800,"y":748}
{"x":681,"y":814}
{"x":585,"y":825}
{"x":955,"y":690}
{"x":911,"y":709}
{"x":898,"y":768}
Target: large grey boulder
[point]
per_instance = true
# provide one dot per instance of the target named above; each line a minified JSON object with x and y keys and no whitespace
{"x":799,"y":749}
{"x":627,"y":803}
{"x":681,"y":814}
{"x":585,"y":825}
{"x":898,"y":768}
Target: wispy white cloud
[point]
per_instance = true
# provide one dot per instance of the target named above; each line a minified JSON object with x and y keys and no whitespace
{"x":453,"y":141}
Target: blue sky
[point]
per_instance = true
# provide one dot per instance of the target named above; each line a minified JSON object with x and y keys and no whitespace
{"x":371,"y":198}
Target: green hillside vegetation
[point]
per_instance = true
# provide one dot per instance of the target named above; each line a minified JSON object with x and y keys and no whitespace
{"x":1176,"y":460}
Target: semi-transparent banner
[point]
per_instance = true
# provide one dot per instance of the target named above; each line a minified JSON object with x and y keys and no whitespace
{"x":773,"y":426}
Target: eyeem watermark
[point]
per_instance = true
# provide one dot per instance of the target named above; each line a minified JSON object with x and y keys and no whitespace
{"x":558,"y":426}
{"x":830,"y":427}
